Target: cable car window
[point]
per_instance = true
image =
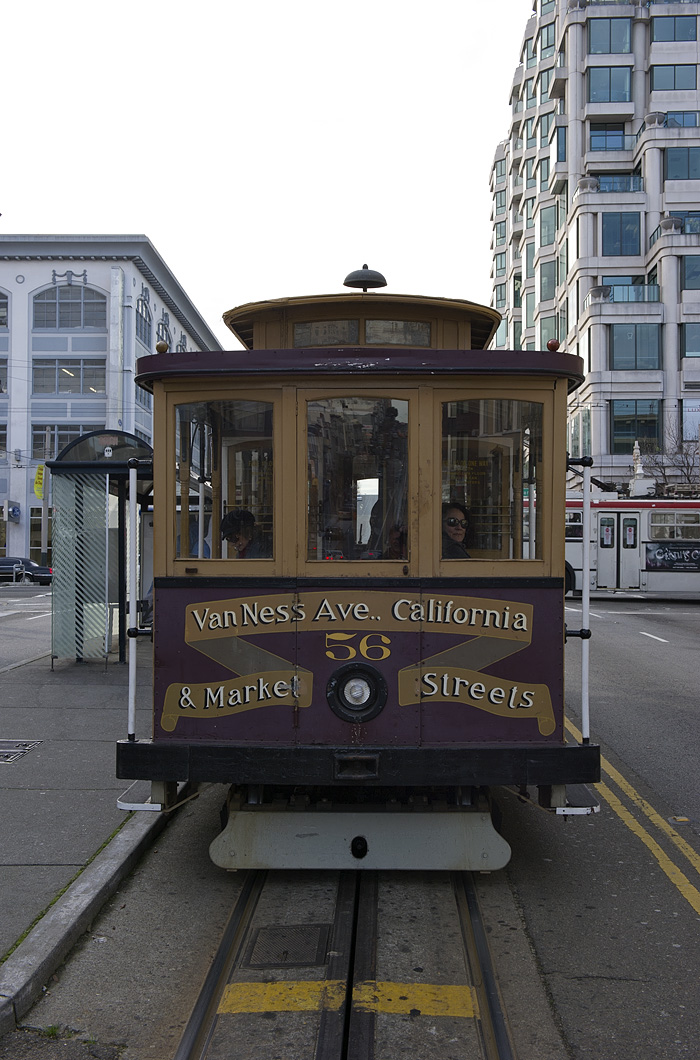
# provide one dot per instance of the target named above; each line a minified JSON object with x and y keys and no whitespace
{"x":397,"y":333}
{"x":492,"y":469}
{"x":357,"y":479}
{"x":224,"y":479}
{"x":326,"y":333}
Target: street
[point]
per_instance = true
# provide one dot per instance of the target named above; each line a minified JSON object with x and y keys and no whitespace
{"x":25,"y":623}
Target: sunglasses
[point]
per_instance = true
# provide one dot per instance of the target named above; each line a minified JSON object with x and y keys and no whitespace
{"x":456,"y":522}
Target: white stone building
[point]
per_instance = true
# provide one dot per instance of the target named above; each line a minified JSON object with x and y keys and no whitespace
{"x":596,"y":217}
{"x":75,"y":314}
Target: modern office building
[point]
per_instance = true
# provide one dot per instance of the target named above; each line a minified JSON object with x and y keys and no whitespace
{"x":596,"y":219}
{"x":75,"y":314}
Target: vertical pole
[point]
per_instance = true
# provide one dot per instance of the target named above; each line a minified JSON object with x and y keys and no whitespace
{"x":133,"y":603}
{"x":45,"y":502}
{"x":586,"y":606}
{"x":200,"y":525}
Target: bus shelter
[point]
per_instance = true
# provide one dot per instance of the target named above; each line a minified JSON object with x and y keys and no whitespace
{"x":90,"y":541}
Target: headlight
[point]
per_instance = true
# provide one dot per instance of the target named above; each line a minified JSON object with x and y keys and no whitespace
{"x":356,"y":692}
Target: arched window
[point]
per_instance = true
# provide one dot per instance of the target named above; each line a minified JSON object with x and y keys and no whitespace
{"x":70,"y":306}
{"x":163,"y":331}
{"x":143,"y":318}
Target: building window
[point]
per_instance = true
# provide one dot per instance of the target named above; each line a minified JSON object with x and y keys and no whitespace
{"x":690,"y":421}
{"x":609,"y":36}
{"x":35,"y":520}
{"x":690,"y":340}
{"x":548,"y":331}
{"x":3,"y":310}
{"x":500,"y":228}
{"x":529,"y":213}
{"x":530,"y":133}
{"x":690,"y":272}
{"x":621,"y":234}
{"x":530,"y":93}
{"x":682,"y":163}
{"x":674,"y":27}
{"x":609,"y":84}
{"x":70,"y":307}
{"x":3,"y":443}
{"x":163,"y":331}
{"x":546,"y":6}
{"x":529,"y":260}
{"x":3,"y":375}
{"x":545,"y":126}
{"x":48,"y":439}
{"x":673,"y":78}
{"x":143,"y":319}
{"x":607,"y":136}
{"x":79,"y":375}
{"x":529,"y":53}
{"x":561,"y":144}
{"x":499,"y":170}
{"x":563,"y":322}
{"x":144,"y":398}
{"x":517,"y":334}
{"x":500,"y":295}
{"x":544,"y":83}
{"x":635,"y":346}
{"x":501,"y":334}
{"x":682,"y":119}
{"x":500,"y":264}
{"x":517,"y":290}
{"x":548,"y":280}
{"x":530,"y":179}
{"x":500,"y":200}
{"x":634,"y":421}
{"x":544,"y":174}
{"x":548,"y":225}
{"x":529,"y":308}
{"x":547,"y":41}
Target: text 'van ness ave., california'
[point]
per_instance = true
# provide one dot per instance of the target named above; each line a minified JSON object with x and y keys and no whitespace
{"x":319,"y":611}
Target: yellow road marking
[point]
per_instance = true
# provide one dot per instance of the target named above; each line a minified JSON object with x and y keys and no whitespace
{"x":686,"y":888}
{"x":426,"y":999}
{"x":656,"y":818}
{"x":283,"y":997}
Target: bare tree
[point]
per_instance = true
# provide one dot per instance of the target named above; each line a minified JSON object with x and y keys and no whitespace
{"x":675,"y":462}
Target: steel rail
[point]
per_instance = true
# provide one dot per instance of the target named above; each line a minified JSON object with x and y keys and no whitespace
{"x":496,"y":1037}
{"x":200,"y":1026}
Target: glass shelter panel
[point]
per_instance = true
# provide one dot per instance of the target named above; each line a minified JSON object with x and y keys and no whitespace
{"x":357,"y":479}
{"x":224,"y":492}
{"x":491,"y":471}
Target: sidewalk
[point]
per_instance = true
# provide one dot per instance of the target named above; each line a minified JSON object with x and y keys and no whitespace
{"x":59,"y":808}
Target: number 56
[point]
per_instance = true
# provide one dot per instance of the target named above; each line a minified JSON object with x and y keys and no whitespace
{"x":371,"y":647}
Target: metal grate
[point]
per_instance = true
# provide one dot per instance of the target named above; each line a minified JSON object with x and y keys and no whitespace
{"x":11,"y":750}
{"x":282,"y":945}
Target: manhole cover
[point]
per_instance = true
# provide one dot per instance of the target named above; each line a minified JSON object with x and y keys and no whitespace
{"x":281,"y":945}
{"x":11,"y":750}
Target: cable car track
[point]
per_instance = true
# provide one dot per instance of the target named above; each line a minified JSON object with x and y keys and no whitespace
{"x":356,"y":993}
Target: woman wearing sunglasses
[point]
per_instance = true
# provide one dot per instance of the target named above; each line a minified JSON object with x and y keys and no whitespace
{"x":455,"y":524}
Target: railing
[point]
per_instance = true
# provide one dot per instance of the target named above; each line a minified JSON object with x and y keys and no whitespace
{"x":612,"y":141}
{"x":618,"y":292}
{"x":683,"y":225}
{"x":609,"y":182}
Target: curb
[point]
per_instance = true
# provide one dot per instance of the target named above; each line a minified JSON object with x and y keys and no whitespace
{"x":24,"y":973}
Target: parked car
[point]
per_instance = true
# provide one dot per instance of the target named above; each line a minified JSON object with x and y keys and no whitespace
{"x":21,"y":569}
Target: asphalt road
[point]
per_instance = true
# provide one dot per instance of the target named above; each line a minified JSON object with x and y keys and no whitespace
{"x":25,"y":623}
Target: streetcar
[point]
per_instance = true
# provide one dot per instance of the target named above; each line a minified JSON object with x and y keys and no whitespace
{"x":643,"y":544}
{"x":355,"y":627}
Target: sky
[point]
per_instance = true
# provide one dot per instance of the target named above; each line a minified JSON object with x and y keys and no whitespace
{"x":266,"y":148}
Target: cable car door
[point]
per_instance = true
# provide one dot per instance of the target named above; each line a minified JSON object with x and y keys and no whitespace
{"x":618,"y":550}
